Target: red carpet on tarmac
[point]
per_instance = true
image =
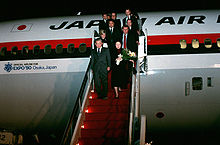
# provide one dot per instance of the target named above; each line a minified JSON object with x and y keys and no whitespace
{"x":106,"y":121}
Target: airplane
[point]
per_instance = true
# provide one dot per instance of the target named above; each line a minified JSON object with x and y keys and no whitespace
{"x":43,"y":62}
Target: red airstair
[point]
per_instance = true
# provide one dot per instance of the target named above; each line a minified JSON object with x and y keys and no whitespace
{"x":106,"y":121}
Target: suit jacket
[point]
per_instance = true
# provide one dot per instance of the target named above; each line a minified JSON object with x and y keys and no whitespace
{"x":103,"y":25}
{"x":100,"y":62}
{"x":131,"y":42}
{"x":114,"y":36}
{"x":118,"y":23}
{"x":133,"y":31}
{"x":134,"y":22}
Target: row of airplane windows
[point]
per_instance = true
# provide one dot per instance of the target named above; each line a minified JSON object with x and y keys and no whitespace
{"x":83,"y":48}
{"x":195,"y":43}
{"x":47,"y":49}
{"x":184,"y":47}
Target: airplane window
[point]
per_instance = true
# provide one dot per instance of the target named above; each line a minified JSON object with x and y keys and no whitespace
{"x":197,"y":83}
{"x":47,"y":49}
{"x":70,"y":48}
{"x":14,"y":50}
{"x":36,"y":50}
{"x":3,"y":51}
{"x":59,"y":49}
{"x":218,"y":42}
{"x":208,"y":43}
{"x":82,"y":48}
{"x":183,"y":44}
{"x":25,"y":50}
{"x":195,"y":43}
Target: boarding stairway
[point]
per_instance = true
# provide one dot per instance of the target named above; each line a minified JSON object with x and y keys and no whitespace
{"x":106,"y":121}
{"x":112,"y":121}
{"x":103,"y":122}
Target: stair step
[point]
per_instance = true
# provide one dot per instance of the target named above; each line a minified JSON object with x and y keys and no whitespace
{"x":105,"y":124}
{"x":116,"y":141}
{"x":100,"y":133}
{"x":102,"y":141}
{"x":91,"y":141}
{"x":106,"y":116}
{"x":124,"y":94}
{"x":108,"y":102}
{"x":108,"y":109}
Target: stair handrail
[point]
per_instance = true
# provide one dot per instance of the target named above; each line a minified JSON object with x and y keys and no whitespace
{"x":143,"y":130}
{"x":134,"y":120}
{"x":135,"y":104}
{"x":137,"y":89}
{"x":132,"y":106}
{"x":77,"y":130}
{"x":80,"y":105}
{"x":77,"y":107}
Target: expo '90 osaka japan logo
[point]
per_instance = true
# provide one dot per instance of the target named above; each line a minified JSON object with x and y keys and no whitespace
{"x":8,"y":67}
{"x":28,"y":67}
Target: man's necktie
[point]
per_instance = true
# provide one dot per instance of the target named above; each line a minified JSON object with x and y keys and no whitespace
{"x":125,"y":42}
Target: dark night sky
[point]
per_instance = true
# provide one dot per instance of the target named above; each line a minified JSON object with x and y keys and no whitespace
{"x":43,"y":8}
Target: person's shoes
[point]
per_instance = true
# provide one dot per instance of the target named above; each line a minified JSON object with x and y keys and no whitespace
{"x":123,"y":90}
{"x":116,"y":97}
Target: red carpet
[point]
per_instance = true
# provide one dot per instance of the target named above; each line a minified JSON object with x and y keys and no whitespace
{"x":106,"y":122}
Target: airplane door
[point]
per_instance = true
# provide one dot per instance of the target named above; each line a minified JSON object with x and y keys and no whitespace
{"x":198,"y":83}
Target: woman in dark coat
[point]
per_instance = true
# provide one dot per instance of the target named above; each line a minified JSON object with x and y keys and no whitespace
{"x":119,"y":74}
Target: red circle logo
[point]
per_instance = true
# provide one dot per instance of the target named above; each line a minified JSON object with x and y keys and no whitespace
{"x":21,"y":27}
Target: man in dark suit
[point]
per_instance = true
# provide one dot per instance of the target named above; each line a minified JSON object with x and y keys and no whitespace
{"x":117,"y":21}
{"x":133,"y":31}
{"x":130,"y":16}
{"x":100,"y":63}
{"x":112,"y":35}
{"x":129,"y":40}
{"x":103,"y":24}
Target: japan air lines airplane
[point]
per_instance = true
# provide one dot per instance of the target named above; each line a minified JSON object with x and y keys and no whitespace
{"x":43,"y":63}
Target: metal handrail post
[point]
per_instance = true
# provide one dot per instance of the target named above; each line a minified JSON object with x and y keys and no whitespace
{"x":137,"y":102}
{"x":143,"y":130}
{"x":131,"y":119}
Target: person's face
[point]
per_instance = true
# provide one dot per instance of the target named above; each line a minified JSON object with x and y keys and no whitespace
{"x":118,"y":45}
{"x":111,"y":24}
{"x":113,"y":16}
{"x":127,"y":12}
{"x":98,"y":44}
{"x":108,"y":17}
{"x":103,"y":35}
{"x":129,"y":23}
{"x":104,"y":16}
{"x":125,"y":30}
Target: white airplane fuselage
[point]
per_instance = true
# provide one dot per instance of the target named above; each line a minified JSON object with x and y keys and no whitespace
{"x":179,"y":90}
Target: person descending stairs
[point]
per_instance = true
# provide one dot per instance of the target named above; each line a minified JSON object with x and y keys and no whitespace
{"x":106,"y":121}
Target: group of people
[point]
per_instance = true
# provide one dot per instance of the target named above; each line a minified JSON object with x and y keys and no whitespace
{"x":113,"y":39}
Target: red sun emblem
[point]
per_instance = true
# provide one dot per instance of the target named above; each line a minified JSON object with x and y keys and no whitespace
{"x":21,"y":27}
